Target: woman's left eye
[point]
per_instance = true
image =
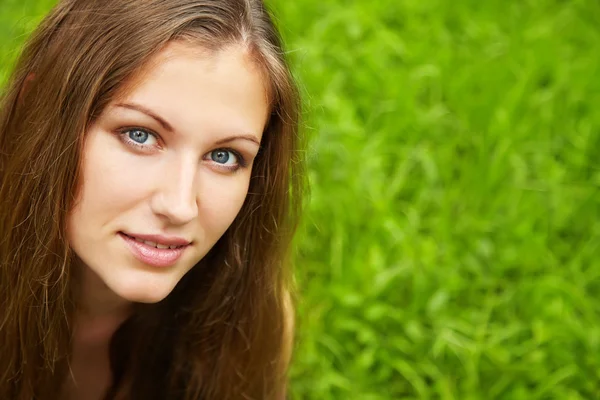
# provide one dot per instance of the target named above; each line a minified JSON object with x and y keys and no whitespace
{"x":224,"y":157}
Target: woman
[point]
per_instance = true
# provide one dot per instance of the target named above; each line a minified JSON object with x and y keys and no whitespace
{"x":150,"y":180}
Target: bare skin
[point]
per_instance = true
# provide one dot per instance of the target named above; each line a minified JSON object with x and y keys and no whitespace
{"x":99,"y":315}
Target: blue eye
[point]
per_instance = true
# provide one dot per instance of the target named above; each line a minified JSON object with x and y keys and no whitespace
{"x":224,"y":157}
{"x":138,"y":136}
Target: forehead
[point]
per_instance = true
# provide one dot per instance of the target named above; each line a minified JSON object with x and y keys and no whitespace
{"x":228,"y":60}
{"x":200,"y":88}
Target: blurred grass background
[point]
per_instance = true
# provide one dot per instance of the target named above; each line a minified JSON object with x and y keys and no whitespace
{"x":450,"y":248}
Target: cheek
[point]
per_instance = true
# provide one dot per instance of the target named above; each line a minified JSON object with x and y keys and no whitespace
{"x":221,"y":203}
{"x":111,"y":179}
{"x":109,"y":183}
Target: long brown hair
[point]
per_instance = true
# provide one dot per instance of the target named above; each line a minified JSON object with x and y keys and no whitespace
{"x":219,"y":334}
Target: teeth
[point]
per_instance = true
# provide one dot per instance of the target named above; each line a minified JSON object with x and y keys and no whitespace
{"x":154,"y":244}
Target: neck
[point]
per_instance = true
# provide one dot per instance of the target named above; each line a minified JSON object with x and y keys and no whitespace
{"x":99,"y":310}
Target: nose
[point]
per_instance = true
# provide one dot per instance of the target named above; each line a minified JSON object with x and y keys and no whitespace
{"x":176,"y":198}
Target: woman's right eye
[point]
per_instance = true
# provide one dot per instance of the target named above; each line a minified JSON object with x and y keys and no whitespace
{"x":139,"y":137}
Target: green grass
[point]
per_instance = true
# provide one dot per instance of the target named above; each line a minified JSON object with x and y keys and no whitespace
{"x":450,"y":249}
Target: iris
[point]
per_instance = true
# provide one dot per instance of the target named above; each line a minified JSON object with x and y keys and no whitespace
{"x":220,"y":156}
{"x":138,"y":136}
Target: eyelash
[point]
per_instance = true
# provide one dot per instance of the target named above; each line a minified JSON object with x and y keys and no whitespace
{"x":123,"y":136}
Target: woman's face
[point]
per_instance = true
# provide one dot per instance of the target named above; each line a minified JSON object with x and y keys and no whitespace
{"x":166,"y":169}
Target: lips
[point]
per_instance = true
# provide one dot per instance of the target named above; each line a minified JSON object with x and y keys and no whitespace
{"x":158,"y":239}
{"x":165,"y":244}
{"x":153,"y":250}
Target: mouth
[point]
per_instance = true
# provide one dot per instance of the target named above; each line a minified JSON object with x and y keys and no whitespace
{"x":155,"y":251}
{"x":156,"y":244}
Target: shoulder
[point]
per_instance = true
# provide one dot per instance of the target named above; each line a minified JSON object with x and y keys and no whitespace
{"x":288,"y":332}
{"x":289,"y":328}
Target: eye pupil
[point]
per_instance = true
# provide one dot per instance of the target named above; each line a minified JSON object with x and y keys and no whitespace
{"x":138,"y":136}
{"x":220,"y":156}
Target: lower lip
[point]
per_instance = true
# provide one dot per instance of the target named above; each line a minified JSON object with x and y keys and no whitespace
{"x":151,"y":255}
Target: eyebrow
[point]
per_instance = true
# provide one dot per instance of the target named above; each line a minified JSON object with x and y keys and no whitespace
{"x":148,"y":112}
{"x":169,"y":127}
{"x":250,"y":138}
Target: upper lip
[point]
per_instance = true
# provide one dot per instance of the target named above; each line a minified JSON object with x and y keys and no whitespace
{"x":161,"y":239}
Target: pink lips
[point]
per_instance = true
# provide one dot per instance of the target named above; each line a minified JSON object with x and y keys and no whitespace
{"x":151,"y":255}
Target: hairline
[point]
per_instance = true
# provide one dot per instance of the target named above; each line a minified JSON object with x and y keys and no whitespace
{"x":203,"y":48}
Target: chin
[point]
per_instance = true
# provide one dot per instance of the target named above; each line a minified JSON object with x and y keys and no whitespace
{"x":143,"y":290}
{"x":148,"y":298}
